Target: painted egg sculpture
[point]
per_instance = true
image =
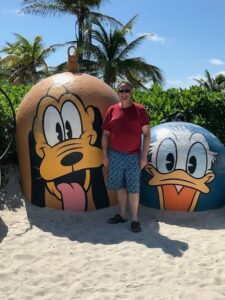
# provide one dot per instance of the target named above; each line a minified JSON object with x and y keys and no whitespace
{"x":58,"y":140}
{"x":185,"y":170}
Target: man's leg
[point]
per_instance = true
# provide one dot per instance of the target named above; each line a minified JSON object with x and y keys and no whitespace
{"x":134,"y":203}
{"x":122,"y":200}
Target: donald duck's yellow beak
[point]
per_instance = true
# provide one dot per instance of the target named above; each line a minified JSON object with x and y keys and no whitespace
{"x":178,"y":190}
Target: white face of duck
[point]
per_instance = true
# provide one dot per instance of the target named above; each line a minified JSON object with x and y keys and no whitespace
{"x":181,"y":160}
{"x":182,"y":149}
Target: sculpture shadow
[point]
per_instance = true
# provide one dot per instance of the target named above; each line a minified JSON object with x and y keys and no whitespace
{"x":92,"y":227}
{"x":11,"y":196}
{"x":3,"y":230}
{"x":208,"y":220}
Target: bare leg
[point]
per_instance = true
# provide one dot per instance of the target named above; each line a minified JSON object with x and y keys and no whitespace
{"x":134,"y":203}
{"x":122,"y":199}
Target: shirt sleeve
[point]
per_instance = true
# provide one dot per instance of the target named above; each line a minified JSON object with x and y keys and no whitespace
{"x":106,"y":121}
{"x":145,"y":119}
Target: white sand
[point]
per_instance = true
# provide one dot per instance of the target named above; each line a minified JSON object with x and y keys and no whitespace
{"x":51,"y":254}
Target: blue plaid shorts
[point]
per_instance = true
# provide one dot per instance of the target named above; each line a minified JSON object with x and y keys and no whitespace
{"x":124,"y":171}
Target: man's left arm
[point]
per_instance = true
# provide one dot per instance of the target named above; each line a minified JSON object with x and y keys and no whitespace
{"x":145,"y":146}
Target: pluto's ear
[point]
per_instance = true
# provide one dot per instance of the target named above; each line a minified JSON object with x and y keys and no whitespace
{"x":94,"y":113}
{"x":37,"y":183}
{"x":91,"y":113}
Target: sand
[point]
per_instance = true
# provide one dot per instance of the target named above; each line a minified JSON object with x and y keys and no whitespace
{"x":51,"y":254}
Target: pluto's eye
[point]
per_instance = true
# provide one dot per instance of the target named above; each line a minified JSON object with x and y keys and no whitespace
{"x":53,"y":126}
{"x":197,"y":160}
{"x":72,"y":121}
{"x":166,"y":156}
{"x":59,"y":130}
{"x":68,"y":130}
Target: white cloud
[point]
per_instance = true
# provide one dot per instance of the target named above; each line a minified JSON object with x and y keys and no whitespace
{"x":20,"y":13}
{"x":13,"y":12}
{"x":216,"y":61}
{"x":199,"y":76}
{"x":155,"y":37}
{"x":184,"y":82}
{"x":175,"y":82}
{"x":221,"y":72}
{"x":9,"y":11}
{"x":189,"y":80}
{"x":196,"y":76}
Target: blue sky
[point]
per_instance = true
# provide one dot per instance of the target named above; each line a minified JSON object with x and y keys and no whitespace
{"x":189,"y":36}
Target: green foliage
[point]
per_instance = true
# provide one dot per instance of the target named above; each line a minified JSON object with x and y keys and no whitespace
{"x":16,"y":94}
{"x":25,"y":61}
{"x":216,"y":84}
{"x":195,"y":105}
{"x":109,"y":56}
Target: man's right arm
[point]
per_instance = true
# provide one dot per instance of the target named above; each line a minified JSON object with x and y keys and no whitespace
{"x":105,"y":146}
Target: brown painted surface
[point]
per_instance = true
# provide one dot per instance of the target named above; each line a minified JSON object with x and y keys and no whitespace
{"x":59,"y":92}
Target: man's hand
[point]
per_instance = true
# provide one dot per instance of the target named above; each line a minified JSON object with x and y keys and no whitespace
{"x":143,"y":162}
{"x":105,"y":160}
{"x":105,"y":146}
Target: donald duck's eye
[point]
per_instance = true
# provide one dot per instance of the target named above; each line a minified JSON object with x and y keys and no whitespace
{"x":166,"y":156}
{"x":197,"y":160}
{"x":53,"y":126}
{"x":170,"y":162}
{"x":72,"y":121}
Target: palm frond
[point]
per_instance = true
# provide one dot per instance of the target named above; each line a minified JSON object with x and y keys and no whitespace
{"x":130,"y":24}
{"x":132,"y":46}
{"x":104,"y":19}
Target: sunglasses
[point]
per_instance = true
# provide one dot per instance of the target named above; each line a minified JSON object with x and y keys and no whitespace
{"x":124,"y":91}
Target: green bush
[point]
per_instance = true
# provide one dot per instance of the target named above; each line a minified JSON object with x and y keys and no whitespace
{"x":195,"y":105}
{"x":16,"y":94}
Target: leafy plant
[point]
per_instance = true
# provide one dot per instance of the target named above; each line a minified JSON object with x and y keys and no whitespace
{"x":16,"y":94}
{"x":195,"y":105}
{"x":110,"y":56}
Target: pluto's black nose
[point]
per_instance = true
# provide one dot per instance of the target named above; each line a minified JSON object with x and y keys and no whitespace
{"x":71,"y":159}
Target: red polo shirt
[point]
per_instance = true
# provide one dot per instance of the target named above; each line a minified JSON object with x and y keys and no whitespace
{"x":125,"y":127}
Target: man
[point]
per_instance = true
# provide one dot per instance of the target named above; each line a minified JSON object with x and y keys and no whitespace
{"x":124,"y":125}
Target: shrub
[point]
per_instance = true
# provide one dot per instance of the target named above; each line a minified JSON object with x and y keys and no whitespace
{"x":16,"y":94}
{"x":195,"y":105}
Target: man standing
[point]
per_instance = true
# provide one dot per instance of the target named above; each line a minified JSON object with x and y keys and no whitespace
{"x":124,"y":125}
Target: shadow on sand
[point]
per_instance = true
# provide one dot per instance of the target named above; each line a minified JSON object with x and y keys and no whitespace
{"x":10,"y":193}
{"x":3,"y":230}
{"x":92,"y":227}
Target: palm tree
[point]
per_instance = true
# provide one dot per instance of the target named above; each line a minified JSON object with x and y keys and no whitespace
{"x":4,"y":72}
{"x":220,"y":82}
{"x":212,"y":84}
{"x":26,"y":61}
{"x":82,"y":9}
{"x":110,"y":57}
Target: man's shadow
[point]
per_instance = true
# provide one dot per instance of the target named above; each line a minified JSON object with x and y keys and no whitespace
{"x":92,"y":227}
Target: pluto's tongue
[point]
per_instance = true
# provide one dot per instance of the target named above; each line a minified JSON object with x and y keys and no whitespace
{"x":73,"y":196}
